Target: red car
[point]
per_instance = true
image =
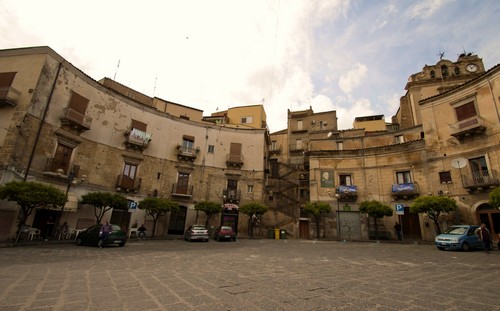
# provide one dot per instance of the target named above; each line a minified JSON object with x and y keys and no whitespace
{"x":224,"y":233}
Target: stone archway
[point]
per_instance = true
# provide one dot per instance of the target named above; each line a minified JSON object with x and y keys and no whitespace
{"x":490,"y":216}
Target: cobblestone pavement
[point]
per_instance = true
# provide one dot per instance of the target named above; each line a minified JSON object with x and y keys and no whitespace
{"x":248,"y":275}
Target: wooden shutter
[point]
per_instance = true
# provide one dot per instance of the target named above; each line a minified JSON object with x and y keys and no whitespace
{"x":6,"y":78}
{"x":139,"y":125}
{"x":78,"y":103}
{"x":466,"y":111}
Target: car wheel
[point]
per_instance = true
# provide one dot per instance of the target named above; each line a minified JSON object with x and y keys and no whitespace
{"x":122,"y":244}
{"x":218,"y":239}
{"x":234,"y":239}
{"x":79,"y":241}
{"x":441,"y":248}
{"x":465,"y":246}
{"x":100,"y":243}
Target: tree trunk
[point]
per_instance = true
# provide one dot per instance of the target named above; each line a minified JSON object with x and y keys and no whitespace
{"x":317,"y":226}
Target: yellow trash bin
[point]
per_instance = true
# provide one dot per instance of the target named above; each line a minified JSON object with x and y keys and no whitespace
{"x":277,"y":233}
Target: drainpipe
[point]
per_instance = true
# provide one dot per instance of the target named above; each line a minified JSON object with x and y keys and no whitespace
{"x":37,"y":138}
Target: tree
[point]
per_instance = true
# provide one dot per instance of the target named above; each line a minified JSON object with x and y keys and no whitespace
{"x":103,"y":202}
{"x":209,"y":208}
{"x":317,"y":209}
{"x":376,"y":210}
{"x":434,"y":206}
{"x":495,"y":198}
{"x":157,"y":207}
{"x":32,"y":195}
{"x":251,"y":209}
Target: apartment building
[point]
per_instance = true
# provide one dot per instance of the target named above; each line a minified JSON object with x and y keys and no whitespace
{"x":60,"y":125}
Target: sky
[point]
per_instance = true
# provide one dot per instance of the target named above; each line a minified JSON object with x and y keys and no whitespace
{"x":352,"y":56}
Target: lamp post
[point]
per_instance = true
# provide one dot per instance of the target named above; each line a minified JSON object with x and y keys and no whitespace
{"x":337,"y":197}
{"x":70,"y":180}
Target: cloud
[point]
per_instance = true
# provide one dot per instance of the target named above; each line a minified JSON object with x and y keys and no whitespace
{"x":353,"y":78}
{"x":426,"y":9}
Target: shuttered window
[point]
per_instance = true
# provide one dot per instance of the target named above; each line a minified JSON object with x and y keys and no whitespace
{"x":139,"y":125}
{"x":78,"y":103}
{"x":466,"y":111}
{"x":6,"y":78}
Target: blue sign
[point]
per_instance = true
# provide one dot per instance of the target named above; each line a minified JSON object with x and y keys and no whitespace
{"x":132,"y":205}
{"x":400,"y":209}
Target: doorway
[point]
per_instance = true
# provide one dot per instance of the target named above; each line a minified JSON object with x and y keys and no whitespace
{"x":410,"y":225}
{"x":491,"y":218}
{"x":177,"y":221}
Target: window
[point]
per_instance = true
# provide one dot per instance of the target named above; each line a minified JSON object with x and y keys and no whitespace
{"x":130,"y":170}
{"x":433,"y":74}
{"x":457,"y":71}
{"x":235,"y":152}
{"x":61,"y":158}
{"x":445,"y":177}
{"x":274,"y":145}
{"x":232,"y":184}
{"x":298,"y":143}
{"x":211,"y":148}
{"x":465,"y":111}
{"x":444,"y":71}
{"x":6,"y":79}
{"x":299,"y":125}
{"x":399,"y":139}
{"x":345,"y":180}
{"x":246,"y":120}
{"x":187,"y":143}
{"x":182,"y":183}
{"x":250,"y":188}
{"x":340,"y":145}
{"x":403,"y":177}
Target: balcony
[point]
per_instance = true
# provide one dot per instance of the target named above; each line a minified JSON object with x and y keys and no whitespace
{"x":275,"y":151}
{"x":347,"y":193}
{"x":137,"y":139}
{"x":405,"y":191}
{"x":127,"y":184}
{"x":75,"y":119}
{"x":480,"y":180}
{"x":53,"y":168}
{"x":467,"y":127}
{"x":8,"y":96}
{"x":182,"y":191}
{"x":231,"y":196}
{"x":294,"y":148}
{"x":187,"y":153}
{"x":234,"y":160}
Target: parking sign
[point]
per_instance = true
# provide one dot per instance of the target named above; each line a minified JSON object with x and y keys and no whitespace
{"x":400,"y":209}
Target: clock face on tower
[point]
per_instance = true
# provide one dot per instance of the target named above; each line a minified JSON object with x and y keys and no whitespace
{"x":471,"y":68}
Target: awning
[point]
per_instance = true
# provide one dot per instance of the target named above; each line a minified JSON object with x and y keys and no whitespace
{"x":231,"y":206}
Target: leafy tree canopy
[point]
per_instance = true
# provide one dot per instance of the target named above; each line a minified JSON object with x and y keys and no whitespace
{"x":253,"y":208}
{"x":156,"y":207}
{"x":317,"y":208}
{"x":31,"y":195}
{"x":433,"y":206}
{"x":495,"y":198}
{"x":103,"y":202}
{"x":375,"y":209}
{"x":208,"y":207}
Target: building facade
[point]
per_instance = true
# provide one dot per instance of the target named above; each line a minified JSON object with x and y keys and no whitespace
{"x":59,"y":125}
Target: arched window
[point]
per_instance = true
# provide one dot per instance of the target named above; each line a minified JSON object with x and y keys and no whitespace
{"x":444,"y":71}
{"x":457,"y":71}
{"x":433,"y":74}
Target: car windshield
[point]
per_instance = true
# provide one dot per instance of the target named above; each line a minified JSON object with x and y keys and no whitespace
{"x":199,"y":228}
{"x":456,"y":230}
{"x":226,"y":228}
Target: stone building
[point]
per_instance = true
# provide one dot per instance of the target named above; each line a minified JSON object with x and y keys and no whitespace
{"x":443,"y":140}
{"x":61,"y":127}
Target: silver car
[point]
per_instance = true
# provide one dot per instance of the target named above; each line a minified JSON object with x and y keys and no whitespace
{"x":196,"y":232}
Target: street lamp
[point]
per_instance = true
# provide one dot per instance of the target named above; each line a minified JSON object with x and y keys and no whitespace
{"x":71,"y":181}
{"x":337,"y":197}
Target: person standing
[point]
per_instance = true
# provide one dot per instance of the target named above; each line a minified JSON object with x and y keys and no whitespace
{"x":485,"y":236}
{"x":397,"y":227}
{"x":105,"y":231}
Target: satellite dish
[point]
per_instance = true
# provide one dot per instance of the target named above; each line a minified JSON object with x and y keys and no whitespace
{"x":459,"y":163}
{"x":329,"y":134}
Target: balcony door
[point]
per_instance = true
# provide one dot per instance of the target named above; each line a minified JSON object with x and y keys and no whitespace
{"x":479,"y":170}
{"x":182,"y":183}
{"x":62,"y":158}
